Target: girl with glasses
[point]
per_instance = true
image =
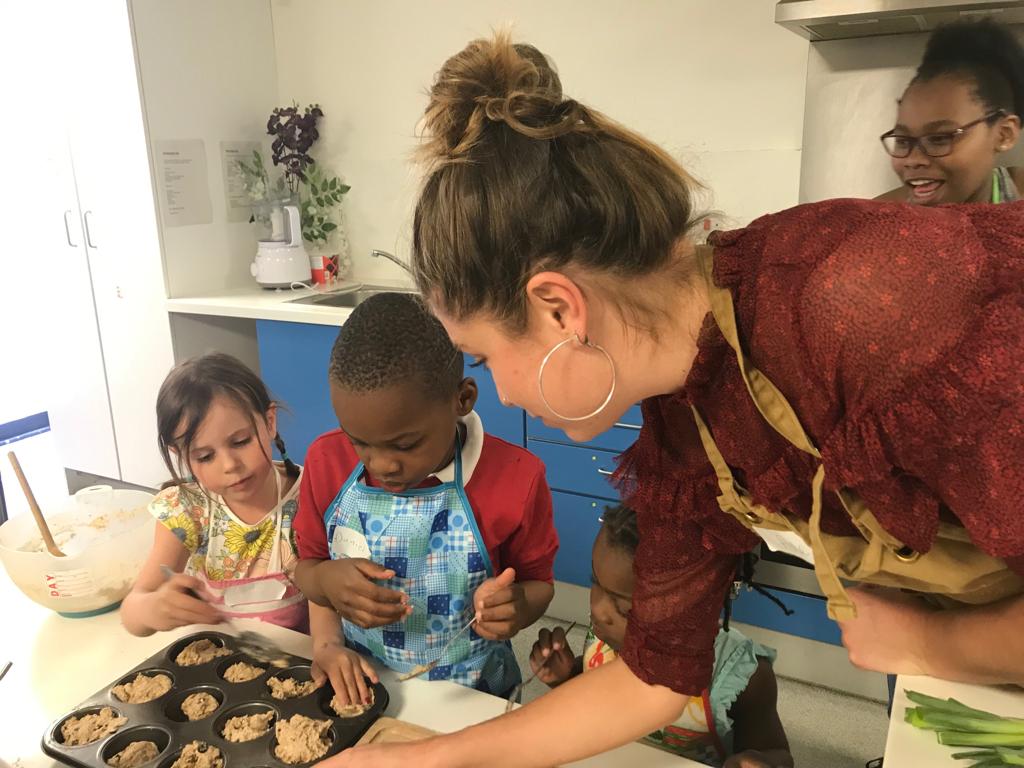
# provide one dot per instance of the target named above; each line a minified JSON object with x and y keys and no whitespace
{"x":957,"y":116}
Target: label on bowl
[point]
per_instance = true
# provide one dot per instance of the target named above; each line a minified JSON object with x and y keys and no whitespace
{"x":74,"y":583}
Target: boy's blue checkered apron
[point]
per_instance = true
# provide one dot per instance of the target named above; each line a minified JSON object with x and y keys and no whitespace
{"x":430,"y":539}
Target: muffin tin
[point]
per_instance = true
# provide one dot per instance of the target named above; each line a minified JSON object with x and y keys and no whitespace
{"x":162,"y":722}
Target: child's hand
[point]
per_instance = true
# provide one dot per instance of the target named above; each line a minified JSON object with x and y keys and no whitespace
{"x":346,"y":669}
{"x":553,"y":657}
{"x":752,"y":758}
{"x":500,"y":606}
{"x":348,"y":585}
{"x":171,"y":605}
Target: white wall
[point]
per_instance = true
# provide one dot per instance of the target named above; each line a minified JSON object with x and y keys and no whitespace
{"x":852,"y":88}
{"x":714,"y":81}
{"x":207,"y":72}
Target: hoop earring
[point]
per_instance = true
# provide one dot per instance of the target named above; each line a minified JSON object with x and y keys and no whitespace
{"x":547,"y":358}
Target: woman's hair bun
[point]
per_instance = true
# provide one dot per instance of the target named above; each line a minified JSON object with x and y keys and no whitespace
{"x":987,"y":52}
{"x":495,"y":84}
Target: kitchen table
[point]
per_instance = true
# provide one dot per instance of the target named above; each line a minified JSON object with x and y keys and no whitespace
{"x":58,"y":662}
{"x":909,"y":747}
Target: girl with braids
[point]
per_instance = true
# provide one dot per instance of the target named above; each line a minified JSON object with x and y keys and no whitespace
{"x":734,"y":719}
{"x":224,"y":523}
{"x":844,"y":380}
{"x":960,"y":112}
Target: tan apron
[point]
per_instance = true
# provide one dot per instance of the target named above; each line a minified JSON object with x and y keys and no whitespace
{"x":953,"y":568}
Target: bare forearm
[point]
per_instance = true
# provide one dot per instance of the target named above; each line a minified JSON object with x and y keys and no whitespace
{"x":560,"y":726}
{"x":135,"y":611}
{"x":307,"y":579}
{"x":538,"y":598}
{"x":324,"y":625}
{"x":976,"y":645}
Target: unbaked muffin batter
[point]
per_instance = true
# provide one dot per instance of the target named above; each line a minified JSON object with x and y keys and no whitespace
{"x":200,"y":652}
{"x":351,"y":710}
{"x":290,"y":688}
{"x":241,"y":672}
{"x":196,"y":706}
{"x":247,"y":727}
{"x":199,"y":755}
{"x":301,"y":739}
{"x":142,"y":688}
{"x":89,"y":728}
{"x":135,"y":754}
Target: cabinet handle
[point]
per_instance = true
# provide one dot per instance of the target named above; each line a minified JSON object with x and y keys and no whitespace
{"x":605,"y":472}
{"x":624,"y":425}
{"x":88,"y":231}
{"x":67,"y":228}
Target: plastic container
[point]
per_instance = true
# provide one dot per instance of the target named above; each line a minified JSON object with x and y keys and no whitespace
{"x":105,"y":534}
{"x":162,"y":722}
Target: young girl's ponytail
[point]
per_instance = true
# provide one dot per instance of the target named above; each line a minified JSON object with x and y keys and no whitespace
{"x":289,"y":466}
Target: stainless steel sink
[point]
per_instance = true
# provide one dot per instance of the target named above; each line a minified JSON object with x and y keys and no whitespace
{"x":349,"y":298}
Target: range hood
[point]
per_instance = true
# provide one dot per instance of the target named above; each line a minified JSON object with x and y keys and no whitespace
{"x":840,"y":19}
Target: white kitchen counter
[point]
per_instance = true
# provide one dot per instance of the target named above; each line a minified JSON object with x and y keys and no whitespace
{"x":909,"y":747}
{"x":59,"y":662}
{"x":272,"y":304}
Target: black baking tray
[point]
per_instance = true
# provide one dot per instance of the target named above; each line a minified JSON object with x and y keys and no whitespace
{"x":161,"y":721}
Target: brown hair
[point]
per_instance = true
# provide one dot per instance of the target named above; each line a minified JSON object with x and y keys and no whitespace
{"x":185,"y":398}
{"x":521,"y":179}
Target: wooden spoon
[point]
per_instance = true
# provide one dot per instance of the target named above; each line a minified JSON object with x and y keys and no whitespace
{"x":37,"y":513}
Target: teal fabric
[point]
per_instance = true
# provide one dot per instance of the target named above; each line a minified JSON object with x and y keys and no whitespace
{"x":736,"y":657}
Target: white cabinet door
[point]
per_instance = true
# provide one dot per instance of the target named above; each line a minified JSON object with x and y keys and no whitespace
{"x":50,"y":343}
{"x":112,"y":169}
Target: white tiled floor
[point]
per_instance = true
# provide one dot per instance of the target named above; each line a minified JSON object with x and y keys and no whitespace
{"x":826,"y":729}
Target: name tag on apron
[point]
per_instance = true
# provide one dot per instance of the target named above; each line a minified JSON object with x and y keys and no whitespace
{"x":350,"y":543}
{"x":786,"y":542}
{"x":262,"y":591}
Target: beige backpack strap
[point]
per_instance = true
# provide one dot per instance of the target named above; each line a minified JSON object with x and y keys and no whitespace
{"x":840,"y":606}
{"x":772,"y":404}
{"x":777,"y":411}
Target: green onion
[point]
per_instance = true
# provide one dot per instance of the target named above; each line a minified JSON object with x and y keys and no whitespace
{"x":958,"y":725}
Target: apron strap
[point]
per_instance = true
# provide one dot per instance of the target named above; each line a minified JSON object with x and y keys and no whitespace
{"x":772,"y":404}
{"x":777,"y":411}
{"x":840,"y":606}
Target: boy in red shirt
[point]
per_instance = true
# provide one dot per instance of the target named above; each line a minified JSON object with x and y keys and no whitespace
{"x":411,"y":520}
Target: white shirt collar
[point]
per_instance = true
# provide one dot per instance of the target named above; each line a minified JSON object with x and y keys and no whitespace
{"x":471,"y":450}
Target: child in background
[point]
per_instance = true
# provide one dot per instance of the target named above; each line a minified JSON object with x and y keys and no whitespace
{"x":735,"y":721}
{"x":224,"y":524}
{"x":411,"y":519}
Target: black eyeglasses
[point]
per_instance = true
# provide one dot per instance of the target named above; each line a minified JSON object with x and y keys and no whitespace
{"x":932,"y":144}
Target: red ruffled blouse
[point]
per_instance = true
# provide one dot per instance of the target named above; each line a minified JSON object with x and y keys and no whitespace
{"x":897,"y":334}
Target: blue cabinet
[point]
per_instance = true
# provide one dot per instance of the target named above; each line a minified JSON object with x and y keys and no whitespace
{"x":293,"y":363}
{"x":575,"y":469}
{"x":294,"y":360}
{"x":809,"y":620}
{"x":616,"y":439}
{"x":577,"y":520}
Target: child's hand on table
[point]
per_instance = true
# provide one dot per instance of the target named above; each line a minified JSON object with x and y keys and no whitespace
{"x":178,"y":602}
{"x":348,"y":585}
{"x":554,"y":658}
{"x":752,"y":758}
{"x":346,"y":669}
{"x":501,"y":607}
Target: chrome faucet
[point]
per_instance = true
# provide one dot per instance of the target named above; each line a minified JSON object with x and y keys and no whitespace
{"x":392,"y":258}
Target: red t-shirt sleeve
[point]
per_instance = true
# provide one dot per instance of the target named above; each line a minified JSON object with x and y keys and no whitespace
{"x":532,"y":547}
{"x":329,"y":461}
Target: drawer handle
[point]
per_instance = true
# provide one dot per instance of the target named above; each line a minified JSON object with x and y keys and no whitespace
{"x":624,"y":425}
{"x":605,"y":472}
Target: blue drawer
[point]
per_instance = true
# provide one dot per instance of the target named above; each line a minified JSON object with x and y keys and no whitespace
{"x":577,"y":519}
{"x":810,"y":618}
{"x":576,"y":469}
{"x":617,"y":439}
{"x":499,"y":420}
{"x":294,"y":359}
